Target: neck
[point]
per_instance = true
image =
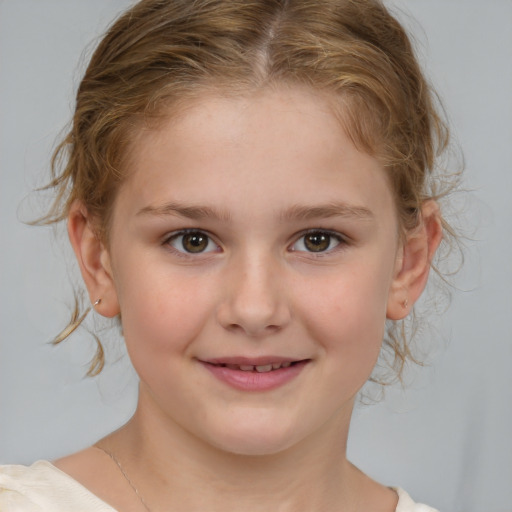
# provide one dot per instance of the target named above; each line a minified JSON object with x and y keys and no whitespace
{"x":173,"y":468}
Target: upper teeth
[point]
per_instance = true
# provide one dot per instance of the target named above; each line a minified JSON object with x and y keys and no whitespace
{"x":259,"y":368}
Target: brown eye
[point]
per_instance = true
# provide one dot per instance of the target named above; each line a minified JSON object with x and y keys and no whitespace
{"x":317,"y":241}
{"x":192,"y":242}
{"x":195,"y":242}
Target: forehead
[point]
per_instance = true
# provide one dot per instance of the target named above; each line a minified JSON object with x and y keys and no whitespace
{"x":236,"y":117}
{"x":286,"y":145}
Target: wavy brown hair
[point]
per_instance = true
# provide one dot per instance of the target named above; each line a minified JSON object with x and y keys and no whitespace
{"x":161,"y":54}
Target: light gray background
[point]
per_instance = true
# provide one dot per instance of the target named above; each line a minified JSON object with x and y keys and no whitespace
{"x":447,"y":440}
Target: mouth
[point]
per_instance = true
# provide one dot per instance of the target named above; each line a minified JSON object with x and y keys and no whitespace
{"x":255,"y":374}
{"x":259,"y":368}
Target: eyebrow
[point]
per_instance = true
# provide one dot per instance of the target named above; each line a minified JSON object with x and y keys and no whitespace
{"x":295,"y":212}
{"x":304,"y":212}
{"x":189,"y":211}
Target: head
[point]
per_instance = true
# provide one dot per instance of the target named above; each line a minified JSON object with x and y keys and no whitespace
{"x":161,"y":58}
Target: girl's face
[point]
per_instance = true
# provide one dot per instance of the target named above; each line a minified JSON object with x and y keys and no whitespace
{"x":252,"y":233}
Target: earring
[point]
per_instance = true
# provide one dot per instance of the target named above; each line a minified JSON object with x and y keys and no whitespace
{"x":405,"y":304}
{"x":96,"y":303}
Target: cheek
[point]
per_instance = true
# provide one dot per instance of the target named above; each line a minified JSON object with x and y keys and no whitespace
{"x":162,"y":315}
{"x":347,"y":316}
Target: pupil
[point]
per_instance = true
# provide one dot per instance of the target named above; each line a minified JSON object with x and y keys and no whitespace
{"x":317,"y":242}
{"x":195,"y":242}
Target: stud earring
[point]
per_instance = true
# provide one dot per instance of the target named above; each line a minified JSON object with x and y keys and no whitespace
{"x":405,"y":304}
{"x":96,"y":303}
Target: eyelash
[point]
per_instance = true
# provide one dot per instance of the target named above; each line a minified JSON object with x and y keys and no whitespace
{"x":332,"y":235}
{"x":184,"y":253}
{"x":329,"y":235}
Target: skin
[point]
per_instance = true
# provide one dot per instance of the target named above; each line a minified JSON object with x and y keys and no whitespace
{"x":253,"y":175}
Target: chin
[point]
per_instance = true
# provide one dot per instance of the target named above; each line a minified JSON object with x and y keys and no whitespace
{"x":255,"y":440}
{"x":254,"y":447}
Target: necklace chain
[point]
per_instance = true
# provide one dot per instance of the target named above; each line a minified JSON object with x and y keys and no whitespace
{"x":127,"y":478}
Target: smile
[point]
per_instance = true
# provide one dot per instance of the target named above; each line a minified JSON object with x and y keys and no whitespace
{"x":263,"y":368}
{"x":262,"y":375}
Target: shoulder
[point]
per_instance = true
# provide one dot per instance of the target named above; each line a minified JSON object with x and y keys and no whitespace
{"x":406,"y":504}
{"x":42,"y":487}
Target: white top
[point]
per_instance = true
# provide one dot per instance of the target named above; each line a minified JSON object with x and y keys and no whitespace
{"x":42,"y":487}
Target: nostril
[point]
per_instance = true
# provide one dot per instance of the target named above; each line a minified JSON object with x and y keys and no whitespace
{"x":245,"y":310}
{"x":253,"y":330}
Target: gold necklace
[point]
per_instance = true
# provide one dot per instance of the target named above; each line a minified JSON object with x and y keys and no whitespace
{"x":123,"y":472}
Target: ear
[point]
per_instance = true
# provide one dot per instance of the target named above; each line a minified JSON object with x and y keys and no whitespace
{"x":93,"y":259}
{"x":413,"y":262}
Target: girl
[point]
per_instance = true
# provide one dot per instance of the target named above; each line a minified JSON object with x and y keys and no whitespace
{"x":248,"y":190}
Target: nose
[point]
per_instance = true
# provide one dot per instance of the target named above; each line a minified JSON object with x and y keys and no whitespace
{"x":255,"y":301}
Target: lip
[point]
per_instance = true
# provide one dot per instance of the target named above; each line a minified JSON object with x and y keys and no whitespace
{"x":254,"y":380}
{"x":254,"y":361}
